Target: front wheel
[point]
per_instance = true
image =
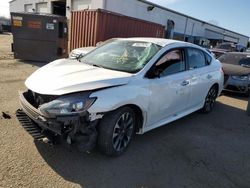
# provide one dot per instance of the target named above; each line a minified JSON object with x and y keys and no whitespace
{"x":210,"y":100}
{"x":116,"y":130}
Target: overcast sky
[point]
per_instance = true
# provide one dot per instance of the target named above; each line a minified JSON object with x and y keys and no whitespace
{"x":232,"y":15}
{"x":4,"y":8}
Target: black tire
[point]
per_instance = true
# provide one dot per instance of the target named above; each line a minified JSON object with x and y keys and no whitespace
{"x":116,"y":130}
{"x":210,"y":100}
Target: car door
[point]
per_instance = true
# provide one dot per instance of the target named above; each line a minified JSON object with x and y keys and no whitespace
{"x":170,"y":88}
{"x":202,"y":75}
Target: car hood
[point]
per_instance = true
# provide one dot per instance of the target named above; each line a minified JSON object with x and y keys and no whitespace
{"x":67,"y":76}
{"x":235,"y":70}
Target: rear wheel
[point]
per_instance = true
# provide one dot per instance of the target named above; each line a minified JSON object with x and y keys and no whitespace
{"x":116,"y":130}
{"x":210,"y":100}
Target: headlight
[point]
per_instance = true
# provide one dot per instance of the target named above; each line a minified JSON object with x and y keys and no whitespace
{"x":242,"y":78}
{"x":68,"y":105}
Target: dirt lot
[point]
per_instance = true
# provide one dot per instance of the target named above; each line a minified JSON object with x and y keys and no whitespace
{"x":200,"y":150}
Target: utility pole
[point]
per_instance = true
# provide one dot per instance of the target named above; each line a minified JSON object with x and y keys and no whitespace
{"x":248,"y":106}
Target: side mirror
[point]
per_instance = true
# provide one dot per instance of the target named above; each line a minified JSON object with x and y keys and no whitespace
{"x":153,"y":73}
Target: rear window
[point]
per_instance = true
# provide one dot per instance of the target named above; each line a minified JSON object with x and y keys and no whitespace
{"x":196,"y":58}
{"x":208,"y":59}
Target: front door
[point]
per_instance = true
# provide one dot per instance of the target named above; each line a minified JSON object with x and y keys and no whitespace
{"x":170,"y":90}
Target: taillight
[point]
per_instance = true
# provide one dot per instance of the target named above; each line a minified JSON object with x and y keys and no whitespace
{"x":222,"y":70}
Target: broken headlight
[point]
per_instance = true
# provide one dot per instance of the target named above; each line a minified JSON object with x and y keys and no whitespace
{"x":68,"y":105}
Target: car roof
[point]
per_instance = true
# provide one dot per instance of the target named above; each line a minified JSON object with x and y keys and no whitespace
{"x":159,"y":41}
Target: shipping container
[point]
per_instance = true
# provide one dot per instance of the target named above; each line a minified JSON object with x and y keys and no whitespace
{"x":91,"y":26}
{"x":39,"y":37}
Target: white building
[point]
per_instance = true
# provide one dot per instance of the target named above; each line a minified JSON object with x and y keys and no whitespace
{"x":178,"y":25}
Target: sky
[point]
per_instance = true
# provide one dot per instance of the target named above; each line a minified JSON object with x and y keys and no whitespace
{"x":229,"y":14}
{"x":4,"y":8}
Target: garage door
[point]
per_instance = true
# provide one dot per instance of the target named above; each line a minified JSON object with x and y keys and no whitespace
{"x":42,"y":7}
{"x":231,"y":39}
{"x":81,"y":4}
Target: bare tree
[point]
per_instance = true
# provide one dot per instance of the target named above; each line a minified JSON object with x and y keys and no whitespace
{"x":4,"y":20}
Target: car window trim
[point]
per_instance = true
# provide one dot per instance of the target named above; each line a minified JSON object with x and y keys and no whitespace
{"x":203,"y":52}
{"x":172,"y":49}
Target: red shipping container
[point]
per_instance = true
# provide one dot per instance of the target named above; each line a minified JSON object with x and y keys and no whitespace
{"x":91,"y":26}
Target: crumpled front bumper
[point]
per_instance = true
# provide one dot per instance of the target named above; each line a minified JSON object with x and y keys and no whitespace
{"x":237,"y":85}
{"x":47,"y":123}
{"x":41,"y":126}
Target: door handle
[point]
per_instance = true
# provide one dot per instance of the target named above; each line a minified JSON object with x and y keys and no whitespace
{"x":209,"y":76}
{"x":184,"y":83}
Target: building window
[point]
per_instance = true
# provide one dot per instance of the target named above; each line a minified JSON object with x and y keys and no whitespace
{"x":42,"y":8}
{"x":28,"y":8}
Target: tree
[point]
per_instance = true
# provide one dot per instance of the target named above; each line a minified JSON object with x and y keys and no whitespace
{"x":4,"y":20}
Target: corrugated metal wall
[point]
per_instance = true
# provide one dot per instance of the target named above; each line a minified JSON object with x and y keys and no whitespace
{"x":91,"y":26}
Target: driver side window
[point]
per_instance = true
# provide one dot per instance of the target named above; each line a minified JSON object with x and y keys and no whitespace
{"x":170,"y":63}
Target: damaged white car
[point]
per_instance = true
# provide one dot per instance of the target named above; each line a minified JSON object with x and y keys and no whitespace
{"x":123,"y":87}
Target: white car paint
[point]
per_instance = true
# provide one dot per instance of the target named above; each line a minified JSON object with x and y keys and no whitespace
{"x":68,"y":76}
{"x":161,"y":100}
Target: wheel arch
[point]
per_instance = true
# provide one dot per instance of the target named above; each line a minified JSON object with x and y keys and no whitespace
{"x":140,"y":116}
{"x":216,"y":85}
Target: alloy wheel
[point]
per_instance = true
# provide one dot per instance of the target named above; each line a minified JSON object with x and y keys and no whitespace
{"x":210,"y":99}
{"x":123,"y":131}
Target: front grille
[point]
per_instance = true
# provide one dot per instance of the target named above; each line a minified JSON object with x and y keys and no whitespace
{"x":231,"y":87}
{"x":37,"y":99}
{"x":30,"y":126}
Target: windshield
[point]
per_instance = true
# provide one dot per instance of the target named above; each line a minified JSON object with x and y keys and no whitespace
{"x":122,"y":55}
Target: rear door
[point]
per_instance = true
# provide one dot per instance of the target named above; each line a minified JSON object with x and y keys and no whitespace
{"x":202,"y":75}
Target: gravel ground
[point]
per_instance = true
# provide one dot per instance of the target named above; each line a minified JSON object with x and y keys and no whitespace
{"x":199,"y":150}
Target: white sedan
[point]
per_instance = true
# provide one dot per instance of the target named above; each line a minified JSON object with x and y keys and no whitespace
{"x":123,"y":87}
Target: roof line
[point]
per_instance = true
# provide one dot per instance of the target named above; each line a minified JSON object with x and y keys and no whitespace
{"x":173,"y":11}
{"x":11,"y":1}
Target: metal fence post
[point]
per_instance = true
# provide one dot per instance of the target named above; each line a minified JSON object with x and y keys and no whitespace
{"x":248,"y":106}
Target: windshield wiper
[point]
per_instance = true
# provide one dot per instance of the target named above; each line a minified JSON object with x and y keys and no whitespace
{"x":92,"y":64}
{"x":95,"y":65}
{"x":78,"y":58}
